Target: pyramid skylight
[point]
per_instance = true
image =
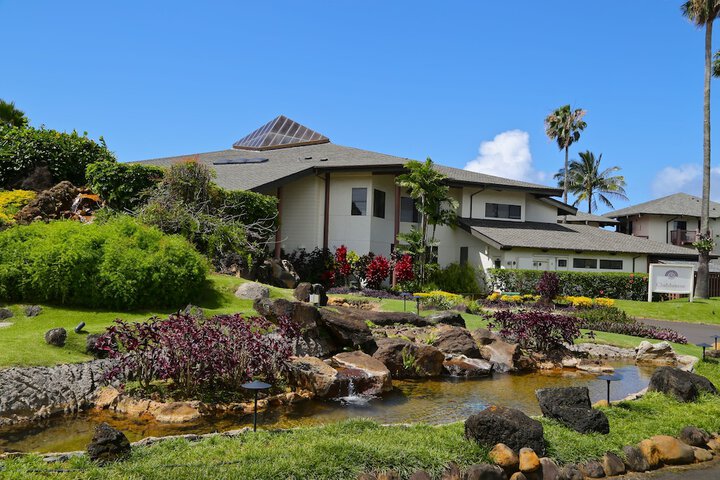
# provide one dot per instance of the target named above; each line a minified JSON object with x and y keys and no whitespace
{"x":281,"y":132}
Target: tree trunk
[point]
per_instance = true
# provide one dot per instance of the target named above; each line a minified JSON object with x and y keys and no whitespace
{"x":590,"y":194}
{"x":702,"y":286}
{"x":565,"y":182}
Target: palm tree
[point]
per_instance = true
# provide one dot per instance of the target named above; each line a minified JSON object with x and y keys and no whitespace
{"x":703,"y":13}
{"x":10,"y":116}
{"x":433,"y":201}
{"x":564,"y":126}
{"x":587,"y":182}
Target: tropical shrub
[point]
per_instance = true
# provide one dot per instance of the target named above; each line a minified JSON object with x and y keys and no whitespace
{"x":377,"y":272}
{"x":65,"y":155}
{"x":311,"y":265}
{"x":614,"y":320}
{"x":456,"y":278}
{"x":618,"y":285}
{"x":120,"y":264}
{"x":577,"y":302}
{"x":440,"y":300}
{"x":254,"y":210}
{"x":548,"y":287}
{"x":199,"y":355}
{"x":342,"y":265}
{"x":536,"y":330}
{"x":122,"y":186}
{"x":11,"y":202}
{"x":403,"y":270}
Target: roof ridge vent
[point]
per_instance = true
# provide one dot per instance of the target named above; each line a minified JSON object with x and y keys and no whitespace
{"x":280,"y":132}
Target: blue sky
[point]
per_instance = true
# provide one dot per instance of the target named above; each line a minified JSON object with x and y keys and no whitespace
{"x":409,"y":78}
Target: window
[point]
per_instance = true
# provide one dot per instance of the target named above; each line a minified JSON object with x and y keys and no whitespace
{"x":584,"y":263}
{"x":408,"y":212}
{"x":611,"y":264}
{"x":431,"y":254}
{"x":378,"y":203}
{"x":359,"y":201}
{"x":501,"y":210}
{"x":463,"y":255}
{"x":562,"y":263}
{"x":498,"y":263}
{"x":680,"y":225}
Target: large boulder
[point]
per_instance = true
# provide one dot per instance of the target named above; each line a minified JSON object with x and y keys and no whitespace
{"x":310,"y":373}
{"x":695,"y":437}
{"x":108,"y":444}
{"x":635,"y":460}
{"x":612,"y":464}
{"x":684,"y":386}
{"x":505,"y":425}
{"x":405,"y":359}
{"x":571,"y":407}
{"x":51,"y":204}
{"x":5,"y":313}
{"x":505,"y":357}
{"x":348,"y":330}
{"x":446,"y":318}
{"x":660,"y":353}
{"x":252,"y":291}
{"x":456,"y":340}
{"x":462,"y":366}
{"x":56,"y":337}
{"x":666,"y":450}
{"x":369,"y":375}
{"x":302,"y":292}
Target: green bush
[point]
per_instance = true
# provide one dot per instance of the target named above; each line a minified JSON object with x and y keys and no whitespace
{"x":248,"y":207}
{"x":122,"y":186}
{"x":66,"y":155}
{"x":618,"y":285}
{"x":456,"y":278}
{"x":120,"y":264}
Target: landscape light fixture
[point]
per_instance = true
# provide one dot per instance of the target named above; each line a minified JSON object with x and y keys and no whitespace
{"x":405,"y":296}
{"x":256,"y":385}
{"x":417,"y":304}
{"x":610,"y":378}
{"x":704,"y":346}
{"x":716,"y":339}
{"x":79,"y":327}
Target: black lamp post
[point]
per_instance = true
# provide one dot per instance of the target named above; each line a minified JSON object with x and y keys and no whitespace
{"x":704,"y":346}
{"x":610,"y":378}
{"x":417,"y":304}
{"x":256,"y":386}
{"x":405,"y":296}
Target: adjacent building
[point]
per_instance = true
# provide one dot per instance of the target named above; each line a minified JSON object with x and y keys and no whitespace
{"x":331,"y":195}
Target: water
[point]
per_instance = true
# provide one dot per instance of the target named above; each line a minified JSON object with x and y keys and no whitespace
{"x":431,"y":401}
{"x":353,"y":399}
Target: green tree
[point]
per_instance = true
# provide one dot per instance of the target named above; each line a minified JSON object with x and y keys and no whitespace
{"x":11,"y":116}
{"x":432,"y":198}
{"x":703,"y":13}
{"x":587,"y":182}
{"x":564,"y":126}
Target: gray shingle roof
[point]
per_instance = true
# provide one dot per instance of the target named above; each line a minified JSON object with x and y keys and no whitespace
{"x":581,"y":217}
{"x":675,"y":204}
{"x":285,"y":163}
{"x":555,"y":236}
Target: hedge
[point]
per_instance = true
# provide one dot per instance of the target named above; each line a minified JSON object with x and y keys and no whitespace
{"x":120,"y":264}
{"x":619,"y":285}
{"x":122,"y":186}
{"x":66,"y":155}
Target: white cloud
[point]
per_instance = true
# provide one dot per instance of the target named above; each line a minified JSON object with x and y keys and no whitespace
{"x":686,"y":178}
{"x":507,"y":155}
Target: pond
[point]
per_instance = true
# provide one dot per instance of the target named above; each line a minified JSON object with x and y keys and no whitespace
{"x":431,"y":401}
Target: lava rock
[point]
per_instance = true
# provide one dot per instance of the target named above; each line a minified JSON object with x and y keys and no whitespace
{"x":635,"y":461}
{"x":56,"y":337}
{"x":252,"y":290}
{"x":420,"y":475}
{"x":570,"y":472}
{"x":5,"y":313}
{"x":302,"y":292}
{"x":91,"y":346}
{"x":447,"y":318}
{"x":684,"y":386}
{"x":592,"y":469}
{"x":395,"y":354}
{"x":612,"y":464}
{"x":510,"y":426}
{"x":108,"y":444}
{"x":571,"y":407}
{"x":348,"y":330}
{"x":369,"y":375}
{"x":483,"y":471}
{"x":462,"y":366}
{"x":550,"y":470}
{"x":457,"y":341}
{"x":694,"y":436}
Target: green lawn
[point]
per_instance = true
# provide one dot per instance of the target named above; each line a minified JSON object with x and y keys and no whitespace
{"x":23,"y":342}
{"x":699,"y":311}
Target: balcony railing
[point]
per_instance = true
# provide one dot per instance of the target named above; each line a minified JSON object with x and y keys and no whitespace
{"x":683,"y":237}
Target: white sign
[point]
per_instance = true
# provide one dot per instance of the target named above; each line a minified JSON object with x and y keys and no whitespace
{"x":668,"y":278}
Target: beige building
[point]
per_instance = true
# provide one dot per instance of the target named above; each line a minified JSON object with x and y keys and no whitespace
{"x":331,"y":195}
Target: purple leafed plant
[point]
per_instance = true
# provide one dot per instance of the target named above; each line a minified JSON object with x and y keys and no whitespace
{"x":535,"y":329}
{"x":198,"y":355}
{"x":548,"y":287}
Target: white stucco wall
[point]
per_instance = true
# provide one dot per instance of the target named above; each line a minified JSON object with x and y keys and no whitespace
{"x":534,"y":260}
{"x":300,"y":217}
{"x":538,"y":211}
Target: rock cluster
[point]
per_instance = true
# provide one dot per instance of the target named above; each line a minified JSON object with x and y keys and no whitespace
{"x":571,"y":407}
{"x":505,"y":425}
{"x":64,"y":200}
{"x":108,"y":444}
{"x":252,"y":291}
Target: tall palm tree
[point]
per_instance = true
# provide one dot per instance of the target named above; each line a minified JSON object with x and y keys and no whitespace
{"x":564,"y":126}
{"x":10,"y":116}
{"x":587,"y":182}
{"x":703,"y":13}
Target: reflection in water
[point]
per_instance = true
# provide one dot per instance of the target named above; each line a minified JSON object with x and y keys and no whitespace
{"x":431,"y":401}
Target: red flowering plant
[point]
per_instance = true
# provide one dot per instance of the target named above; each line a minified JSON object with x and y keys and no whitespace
{"x":404,"y":269}
{"x":377,"y":271}
{"x":199,"y":356}
{"x":342,"y":265}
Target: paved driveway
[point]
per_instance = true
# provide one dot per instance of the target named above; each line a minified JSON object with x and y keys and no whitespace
{"x":695,"y":332}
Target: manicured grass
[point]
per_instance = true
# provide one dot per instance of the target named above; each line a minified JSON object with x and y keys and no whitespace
{"x":332,"y":452}
{"x":681,"y":310}
{"x":23,"y":343}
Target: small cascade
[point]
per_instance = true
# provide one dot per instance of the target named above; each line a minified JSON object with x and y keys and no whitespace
{"x":352,"y":398}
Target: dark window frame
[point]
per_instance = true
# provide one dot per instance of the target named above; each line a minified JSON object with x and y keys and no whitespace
{"x":503,"y":210}
{"x":414,"y":215}
{"x":377,"y":211}
{"x":585,"y":261}
{"x":356,"y":204}
{"x":611,"y":261}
